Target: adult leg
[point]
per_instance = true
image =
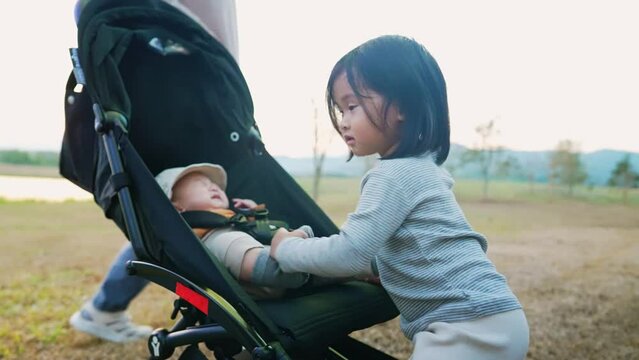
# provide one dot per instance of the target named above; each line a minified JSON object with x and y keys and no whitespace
{"x":104,"y":315}
{"x":119,"y":288}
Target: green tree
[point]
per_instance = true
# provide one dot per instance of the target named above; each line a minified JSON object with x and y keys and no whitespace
{"x":530,"y":171}
{"x":487,"y":155}
{"x":566,"y":167}
{"x":507,"y":167}
{"x":624,"y":177}
{"x":15,"y":157}
{"x":322,"y":137}
{"x":19,"y":157}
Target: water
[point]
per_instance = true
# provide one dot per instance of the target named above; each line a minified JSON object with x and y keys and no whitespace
{"x":40,"y":188}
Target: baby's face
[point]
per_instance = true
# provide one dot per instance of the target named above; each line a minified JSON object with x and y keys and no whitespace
{"x":196,"y":191}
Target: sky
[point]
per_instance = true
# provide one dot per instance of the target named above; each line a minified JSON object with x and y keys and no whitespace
{"x":544,"y":70}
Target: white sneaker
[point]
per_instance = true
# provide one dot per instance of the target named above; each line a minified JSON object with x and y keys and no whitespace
{"x":111,"y":326}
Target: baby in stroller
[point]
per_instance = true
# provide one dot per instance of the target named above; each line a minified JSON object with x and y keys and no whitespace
{"x":201,"y":187}
{"x":199,"y":111}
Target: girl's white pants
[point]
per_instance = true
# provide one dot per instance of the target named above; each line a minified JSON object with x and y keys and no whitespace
{"x":502,"y":336}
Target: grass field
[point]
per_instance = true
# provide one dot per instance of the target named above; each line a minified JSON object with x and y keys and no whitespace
{"x":573,"y":263}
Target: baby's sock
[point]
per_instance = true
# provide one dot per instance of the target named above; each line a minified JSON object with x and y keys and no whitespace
{"x":267,"y":272}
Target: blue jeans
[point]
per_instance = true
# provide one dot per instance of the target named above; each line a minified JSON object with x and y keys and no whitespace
{"x":118,"y":287}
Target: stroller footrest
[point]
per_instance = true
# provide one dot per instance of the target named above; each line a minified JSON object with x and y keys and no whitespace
{"x":322,"y":316}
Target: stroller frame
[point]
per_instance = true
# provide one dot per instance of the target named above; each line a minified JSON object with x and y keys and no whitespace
{"x":196,"y":304}
{"x":313,"y":324}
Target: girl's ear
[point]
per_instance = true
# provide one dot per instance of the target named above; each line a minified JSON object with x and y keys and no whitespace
{"x":398,"y":113}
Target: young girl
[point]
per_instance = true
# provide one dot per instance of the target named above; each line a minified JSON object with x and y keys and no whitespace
{"x":388,"y":97}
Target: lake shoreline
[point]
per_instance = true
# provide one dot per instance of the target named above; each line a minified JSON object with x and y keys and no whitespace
{"x":50,"y":189}
{"x":30,"y":170}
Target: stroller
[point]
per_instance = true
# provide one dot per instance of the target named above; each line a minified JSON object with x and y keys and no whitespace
{"x":159,"y":92}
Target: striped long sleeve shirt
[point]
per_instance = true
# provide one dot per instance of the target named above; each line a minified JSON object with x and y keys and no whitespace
{"x":409,"y":226}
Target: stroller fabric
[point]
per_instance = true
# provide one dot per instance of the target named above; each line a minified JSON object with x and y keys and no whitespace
{"x":182,"y":99}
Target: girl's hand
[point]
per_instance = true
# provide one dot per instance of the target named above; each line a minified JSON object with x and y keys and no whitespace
{"x":281,"y":234}
{"x":244,"y":204}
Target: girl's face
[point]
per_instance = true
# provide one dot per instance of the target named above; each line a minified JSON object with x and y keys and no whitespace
{"x":196,"y":191}
{"x":365,"y":136}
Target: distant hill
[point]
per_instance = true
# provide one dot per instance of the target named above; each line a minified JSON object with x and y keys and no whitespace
{"x":333,"y":166}
{"x":598,"y":165}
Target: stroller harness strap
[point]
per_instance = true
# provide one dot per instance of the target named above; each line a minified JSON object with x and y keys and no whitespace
{"x":253,"y":222}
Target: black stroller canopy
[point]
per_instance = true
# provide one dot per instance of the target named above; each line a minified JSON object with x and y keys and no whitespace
{"x":168,"y":77}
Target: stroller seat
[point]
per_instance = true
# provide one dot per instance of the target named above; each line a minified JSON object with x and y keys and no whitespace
{"x":308,"y":321}
{"x":313,"y":318}
{"x":160,"y":92}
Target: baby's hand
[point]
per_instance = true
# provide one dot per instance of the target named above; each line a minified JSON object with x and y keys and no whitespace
{"x":281,"y":234}
{"x":244,"y":204}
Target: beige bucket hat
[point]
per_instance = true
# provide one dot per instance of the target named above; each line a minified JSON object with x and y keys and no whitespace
{"x":169,"y":177}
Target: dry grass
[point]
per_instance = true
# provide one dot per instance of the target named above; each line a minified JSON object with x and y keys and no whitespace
{"x":574,"y":266}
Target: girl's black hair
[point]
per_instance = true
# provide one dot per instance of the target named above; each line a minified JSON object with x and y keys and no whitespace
{"x":404,"y":73}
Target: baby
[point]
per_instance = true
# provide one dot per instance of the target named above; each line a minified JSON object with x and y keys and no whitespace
{"x":202,"y":187}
